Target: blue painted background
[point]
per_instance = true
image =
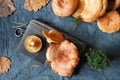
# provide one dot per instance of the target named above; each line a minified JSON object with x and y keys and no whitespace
{"x":24,"y":68}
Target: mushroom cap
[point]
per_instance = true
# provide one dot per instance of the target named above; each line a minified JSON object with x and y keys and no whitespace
{"x":90,"y":10}
{"x":33,"y":43}
{"x":80,"y":7}
{"x":64,"y":8}
{"x":53,"y":36}
{"x":64,"y":57}
{"x":110,"y":22}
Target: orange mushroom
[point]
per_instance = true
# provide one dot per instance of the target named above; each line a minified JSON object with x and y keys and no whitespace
{"x":64,"y":57}
{"x":53,"y":36}
{"x":33,"y":44}
{"x":110,"y":22}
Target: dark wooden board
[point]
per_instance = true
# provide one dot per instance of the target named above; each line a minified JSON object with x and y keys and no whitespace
{"x":35,"y":28}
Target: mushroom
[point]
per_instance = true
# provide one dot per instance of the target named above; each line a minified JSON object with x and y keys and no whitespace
{"x":33,"y":43}
{"x":64,"y":8}
{"x":53,"y":36}
{"x":110,"y":22}
{"x":63,"y":56}
{"x":90,"y":10}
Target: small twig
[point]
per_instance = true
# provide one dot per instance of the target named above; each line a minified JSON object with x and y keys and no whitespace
{"x":19,"y":24}
{"x":76,"y":26}
{"x":30,"y":68}
{"x":77,"y":21}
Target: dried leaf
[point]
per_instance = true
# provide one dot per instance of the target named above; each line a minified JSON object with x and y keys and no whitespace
{"x":4,"y":64}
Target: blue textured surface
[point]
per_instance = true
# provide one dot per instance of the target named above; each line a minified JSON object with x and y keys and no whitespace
{"x":24,"y":68}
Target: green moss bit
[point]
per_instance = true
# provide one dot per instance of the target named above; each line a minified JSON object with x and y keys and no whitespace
{"x":97,"y":59}
{"x":18,"y":24}
{"x":77,"y":21}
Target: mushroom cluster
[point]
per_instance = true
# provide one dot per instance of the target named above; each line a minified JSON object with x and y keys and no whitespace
{"x":90,"y":11}
{"x":62,"y":54}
